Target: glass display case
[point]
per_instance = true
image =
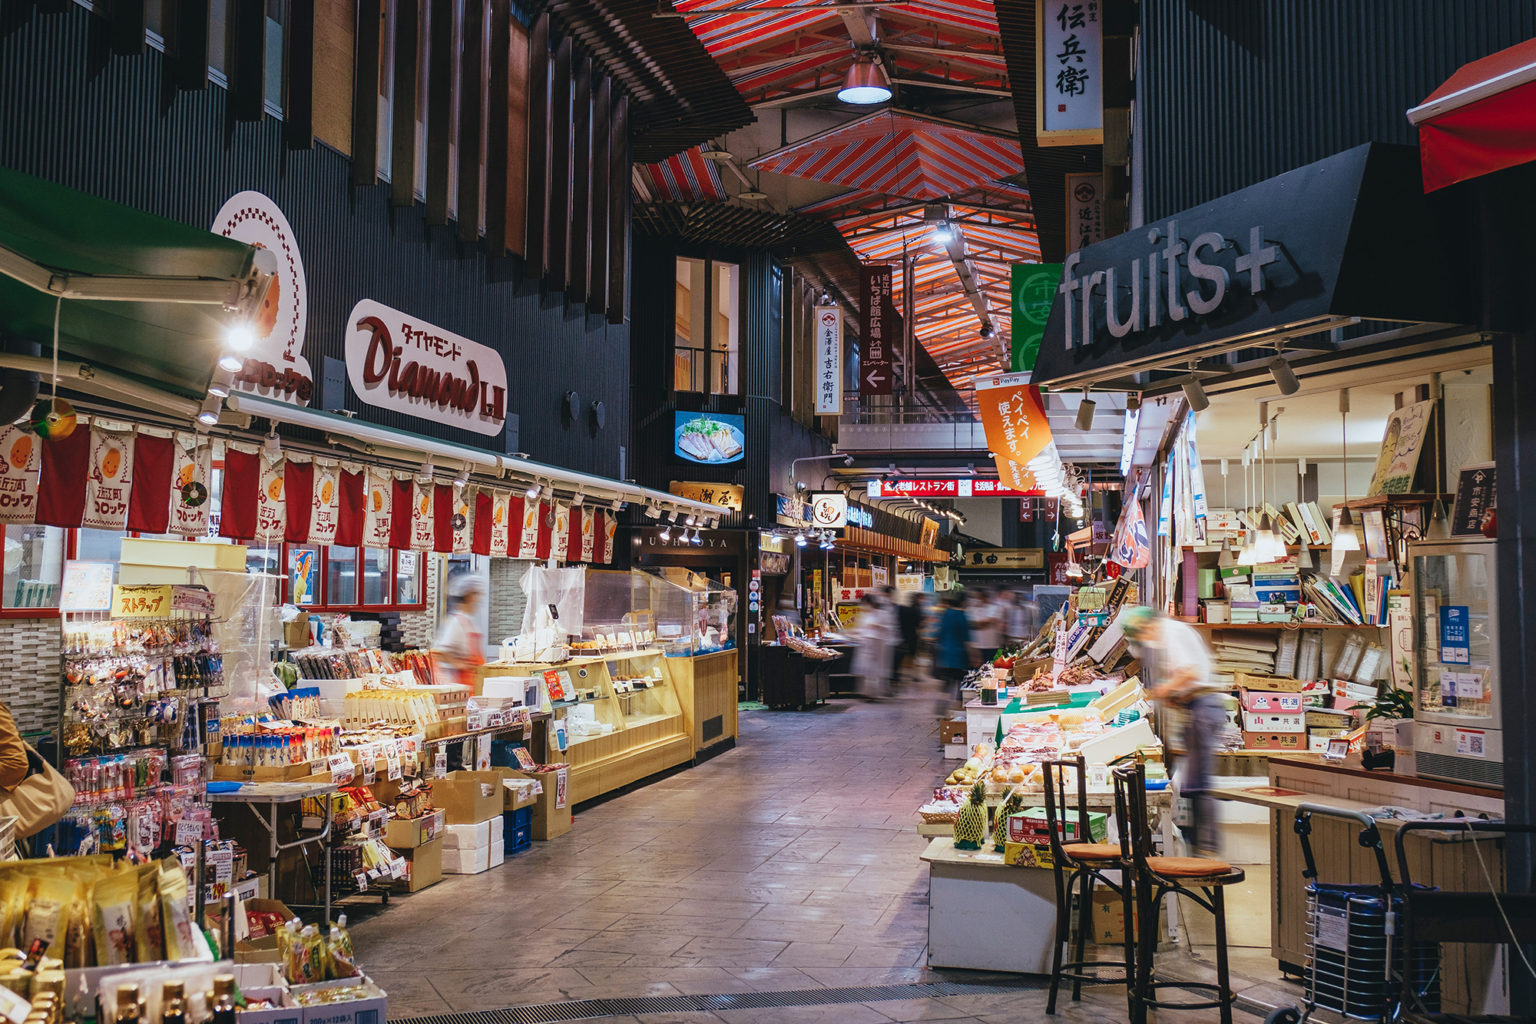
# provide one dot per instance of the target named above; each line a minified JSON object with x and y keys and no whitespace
{"x":1457,"y":733}
{"x":693,"y":614}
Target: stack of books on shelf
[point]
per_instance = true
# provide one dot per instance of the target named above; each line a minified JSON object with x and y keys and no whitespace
{"x":1334,"y":602}
{"x":1236,"y":652}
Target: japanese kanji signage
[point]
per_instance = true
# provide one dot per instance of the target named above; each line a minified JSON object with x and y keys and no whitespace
{"x":1069,"y":63}
{"x":876,"y":334}
{"x":1005,"y":558}
{"x":1085,"y":210}
{"x":958,"y":488}
{"x":727,"y":496}
{"x":1033,"y":288}
{"x":829,"y":361}
{"x":1015,"y":422}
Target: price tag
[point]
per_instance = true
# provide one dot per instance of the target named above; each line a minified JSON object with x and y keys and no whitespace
{"x":560,"y":777}
{"x":1467,"y":685}
{"x":392,"y":763}
{"x":440,"y":763}
{"x":342,"y":769}
{"x":397,"y":867}
{"x":361,"y":878}
{"x":370,"y":756}
{"x":188,"y":832}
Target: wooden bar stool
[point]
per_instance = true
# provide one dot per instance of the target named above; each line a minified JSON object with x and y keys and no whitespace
{"x":1079,"y":864}
{"x":1198,"y":879}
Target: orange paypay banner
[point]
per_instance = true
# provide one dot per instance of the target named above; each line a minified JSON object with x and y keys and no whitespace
{"x":1014,"y":418}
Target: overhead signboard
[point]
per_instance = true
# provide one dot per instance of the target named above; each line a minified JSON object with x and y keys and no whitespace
{"x":875,"y":330}
{"x":709,"y":439}
{"x":1033,"y":289}
{"x":725,"y":496}
{"x":1085,"y":210}
{"x":274,"y":366}
{"x":1005,"y":558}
{"x":1069,"y":78}
{"x":829,"y":361}
{"x":1014,"y":418}
{"x":829,"y":510}
{"x":965,"y":487}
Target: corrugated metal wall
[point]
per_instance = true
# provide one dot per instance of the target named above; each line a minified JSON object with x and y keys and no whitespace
{"x":1234,"y":93}
{"x":114,"y":127}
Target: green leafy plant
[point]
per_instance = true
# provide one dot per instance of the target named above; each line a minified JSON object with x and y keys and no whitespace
{"x":1391,"y":703}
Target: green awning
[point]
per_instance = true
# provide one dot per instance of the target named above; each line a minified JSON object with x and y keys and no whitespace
{"x":174,"y":284}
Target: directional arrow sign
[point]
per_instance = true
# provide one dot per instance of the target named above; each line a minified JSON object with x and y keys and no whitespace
{"x":877,"y":381}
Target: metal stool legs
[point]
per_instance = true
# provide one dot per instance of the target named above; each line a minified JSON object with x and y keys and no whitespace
{"x":1144,"y":991}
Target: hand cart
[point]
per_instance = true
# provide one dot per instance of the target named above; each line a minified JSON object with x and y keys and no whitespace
{"x":1351,"y":969}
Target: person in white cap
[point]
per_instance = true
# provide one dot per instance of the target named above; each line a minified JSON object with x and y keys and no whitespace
{"x":460,"y":647}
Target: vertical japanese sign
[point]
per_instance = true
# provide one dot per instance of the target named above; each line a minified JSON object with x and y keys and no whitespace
{"x":829,"y":361}
{"x":875,"y":330}
{"x":1033,"y":288}
{"x":1085,"y":210}
{"x":1069,"y":69}
{"x":1015,"y":423}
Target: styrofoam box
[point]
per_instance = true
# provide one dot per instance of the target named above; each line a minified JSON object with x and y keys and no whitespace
{"x":1273,"y":721}
{"x":473,"y":837}
{"x":467,"y":862}
{"x":1118,"y":742}
{"x":498,"y":854}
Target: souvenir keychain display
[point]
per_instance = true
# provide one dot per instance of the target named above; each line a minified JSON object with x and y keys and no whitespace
{"x":136,"y":694}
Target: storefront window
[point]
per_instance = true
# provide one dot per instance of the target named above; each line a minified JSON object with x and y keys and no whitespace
{"x":340,"y":576}
{"x":375,"y":576}
{"x":408,"y":577}
{"x":724,"y":328}
{"x":690,"y":327}
{"x":303,"y":575}
{"x":34,"y":565}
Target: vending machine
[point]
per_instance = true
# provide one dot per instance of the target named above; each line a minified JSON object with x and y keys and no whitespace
{"x":1457,"y":732}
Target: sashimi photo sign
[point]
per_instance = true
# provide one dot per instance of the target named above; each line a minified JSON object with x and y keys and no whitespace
{"x":710,"y":439}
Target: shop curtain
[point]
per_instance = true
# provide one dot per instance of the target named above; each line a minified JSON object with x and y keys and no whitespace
{"x":486,"y":521}
{"x":61,"y":481}
{"x":350,"y":507}
{"x":600,"y":520}
{"x":110,"y":480}
{"x":378,"y":506}
{"x":298,"y":500}
{"x":423,"y":523}
{"x":272,"y":500}
{"x":190,"y":505}
{"x":571,"y":549}
{"x":242,"y":480}
{"x":463,"y":519}
{"x":588,"y":535}
{"x":325,"y":503}
{"x":545,"y":530}
{"x":444,"y":505}
{"x":149,"y":500}
{"x":529,"y":516}
{"x":18,"y":475}
{"x":402,"y":515}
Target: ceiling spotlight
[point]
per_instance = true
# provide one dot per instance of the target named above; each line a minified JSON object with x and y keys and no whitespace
{"x":691,"y":520}
{"x":799,"y":540}
{"x":239,"y":336}
{"x":231,"y":362}
{"x":533,"y":491}
{"x":1285,"y":377}
{"x":714,"y":522}
{"x":652,"y":512}
{"x":1194,"y":394}
{"x":698,"y":538}
{"x":577,"y":499}
{"x":666,"y":534}
{"x":987,"y":330}
{"x":1132,"y":402}
{"x":208,"y":415}
{"x":1085,"y":412}
{"x":221,"y":383}
{"x":617,"y":504}
{"x":866,"y":82}
{"x":463,"y":478}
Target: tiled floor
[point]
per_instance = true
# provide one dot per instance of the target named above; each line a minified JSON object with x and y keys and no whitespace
{"x":789,"y":862}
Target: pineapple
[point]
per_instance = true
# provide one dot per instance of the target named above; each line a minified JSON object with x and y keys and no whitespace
{"x":971,"y":826}
{"x":1012,"y":805}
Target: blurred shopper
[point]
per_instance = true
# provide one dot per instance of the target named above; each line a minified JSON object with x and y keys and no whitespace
{"x":460,"y":646}
{"x":1178,"y":663}
{"x":1021,"y":617}
{"x":986,"y":626}
{"x":874,"y":633}
{"x":952,"y":652}
{"x":909,"y":628}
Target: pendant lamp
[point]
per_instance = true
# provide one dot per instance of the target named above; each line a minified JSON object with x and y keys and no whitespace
{"x":866,"y":82}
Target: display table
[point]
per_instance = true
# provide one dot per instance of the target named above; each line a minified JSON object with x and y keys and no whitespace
{"x":1469,"y":973}
{"x":269,"y":796}
{"x":792,"y":680}
{"x":981,"y":722}
{"x":707,"y":690}
{"x":971,"y":893}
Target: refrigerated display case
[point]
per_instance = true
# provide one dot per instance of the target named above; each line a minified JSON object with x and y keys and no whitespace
{"x":695,"y":621}
{"x":1457,"y":728}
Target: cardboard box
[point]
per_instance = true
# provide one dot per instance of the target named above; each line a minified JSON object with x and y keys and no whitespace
{"x":1030,"y":826}
{"x":409,"y":833}
{"x":1269,"y":684}
{"x":289,"y":773}
{"x":473,"y":837}
{"x":370,"y":1010}
{"x":1265,"y":700}
{"x":468,"y":798}
{"x":1120,"y":698}
{"x":1329,"y":720}
{"x":262,"y":949}
{"x":1109,"y":919}
{"x":423,"y":866}
{"x":951,"y":730}
{"x":1028,"y":855}
{"x":1357,"y":693}
{"x":1291,"y":742}
{"x":1274,"y":721}
{"x":551,"y":811}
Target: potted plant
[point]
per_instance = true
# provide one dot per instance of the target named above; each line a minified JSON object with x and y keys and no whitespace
{"x":1393,"y":709}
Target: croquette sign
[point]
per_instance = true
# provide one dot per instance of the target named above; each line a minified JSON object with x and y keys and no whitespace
{"x":396,"y":361}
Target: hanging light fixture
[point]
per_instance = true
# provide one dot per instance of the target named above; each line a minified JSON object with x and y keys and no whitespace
{"x":1085,"y":412}
{"x":866,"y":82}
{"x":1344,"y":536}
{"x":1285,"y":377}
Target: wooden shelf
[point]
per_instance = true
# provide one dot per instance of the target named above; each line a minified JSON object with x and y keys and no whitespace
{"x":1385,"y":500}
{"x":1282,"y":625}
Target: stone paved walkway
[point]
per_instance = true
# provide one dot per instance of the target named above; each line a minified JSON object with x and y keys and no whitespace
{"x":789,"y":862}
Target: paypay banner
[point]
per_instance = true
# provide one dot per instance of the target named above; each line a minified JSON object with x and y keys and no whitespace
{"x":1014,"y":418}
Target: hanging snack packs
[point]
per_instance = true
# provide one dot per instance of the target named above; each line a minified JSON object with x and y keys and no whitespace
{"x":115,"y":897}
{"x":47,"y":917}
{"x":176,"y":918}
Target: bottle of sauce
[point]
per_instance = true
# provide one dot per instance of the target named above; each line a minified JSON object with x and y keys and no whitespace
{"x":173,"y":1003}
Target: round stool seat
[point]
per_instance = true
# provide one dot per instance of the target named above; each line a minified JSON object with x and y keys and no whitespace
{"x":1092,"y":851}
{"x":1188,"y":867}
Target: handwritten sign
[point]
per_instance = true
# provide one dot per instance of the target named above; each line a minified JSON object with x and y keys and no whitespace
{"x":87,"y":587}
{"x":141,"y":601}
{"x":1475,"y":494}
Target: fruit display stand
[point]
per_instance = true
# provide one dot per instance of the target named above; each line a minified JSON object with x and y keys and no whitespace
{"x":617,"y":731}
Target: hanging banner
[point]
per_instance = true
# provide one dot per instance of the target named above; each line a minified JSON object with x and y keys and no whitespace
{"x":1165,"y":507}
{"x":61,"y":479}
{"x":528,"y":536}
{"x":1132,"y":548}
{"x":1033,"y":289}
{"x":875,"y":330}
{"x":154,"y":467}
{"x":445,"y":502}
{"x":1085,"y":210}
{"x":463,"y":519}
{"x":18,"y":475}
{"x":378,"y":495}
{"x":190,"y":509}
{"x":271,"y":501}
{"x":501,"y":522}
{"x":237,"y":500}
{"x":110,"y":480}
{"x":325,"y":503}
{"x":829,"y":361}
{"x":351,"y":500}
{"x":607,"y":529}
{"x":588,"y":535}
{"x":546,"y":531}
{"x":1069,"y":73}
{"x":1016,"y":428}
{"x":482,"y":525}
{"x":298,"y":499}
{"x":422,"y":523}
{"x":560,"y":534}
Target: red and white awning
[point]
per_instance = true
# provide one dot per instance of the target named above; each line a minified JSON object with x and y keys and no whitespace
{"x":684,"y":178}
{"x":1481,"y":120}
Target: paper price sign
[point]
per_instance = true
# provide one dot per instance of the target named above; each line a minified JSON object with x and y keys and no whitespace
{"x":342,"y":769}
{"x":392,"y":763}
{"x":361,"y":878}
{"x":370,"y":759}
{"x":397,"y":867}
{"x":188,"y":832}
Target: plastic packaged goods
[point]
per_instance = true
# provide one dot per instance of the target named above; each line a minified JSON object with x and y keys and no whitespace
{"x":175,"y":917}
{"x":341,"y":960}
{"x":115,"y":897}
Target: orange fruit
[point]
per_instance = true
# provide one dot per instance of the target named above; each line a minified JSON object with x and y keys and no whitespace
{"x":21,"y":451}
